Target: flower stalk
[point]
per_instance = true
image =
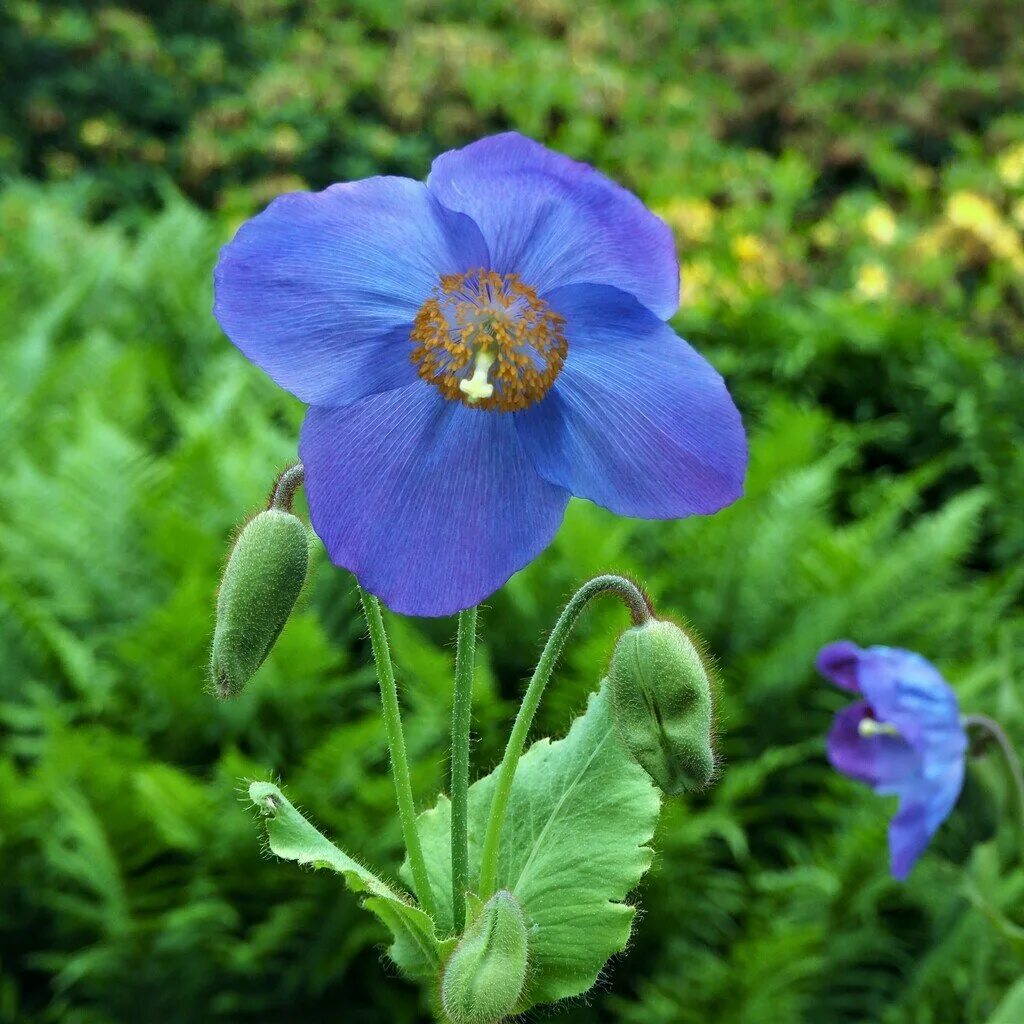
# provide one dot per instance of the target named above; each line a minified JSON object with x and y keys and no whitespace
{"x":994,"y":731}
{"x":396,"y":746}
{"x":462,"y":711}
{"x":640,"y":611}
{"x":288,"y":483}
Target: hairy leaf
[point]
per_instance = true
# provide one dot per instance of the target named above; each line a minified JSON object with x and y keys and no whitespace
{"x":574,"y":845}
{"x":415,"y":948}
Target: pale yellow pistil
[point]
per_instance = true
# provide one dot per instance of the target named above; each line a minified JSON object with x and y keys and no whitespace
{"x":478,"y":386}
{"x":872,"y":727}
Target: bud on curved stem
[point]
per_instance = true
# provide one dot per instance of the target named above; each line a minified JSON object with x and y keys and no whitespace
{"x":661,"y":700}
{"x":261,"y":583}
{"x":640,"y":611}
{"x":485,"y":976}
{"x":1011,"y":762}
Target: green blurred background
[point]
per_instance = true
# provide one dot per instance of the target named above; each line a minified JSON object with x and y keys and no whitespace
{"x":846,"y":183}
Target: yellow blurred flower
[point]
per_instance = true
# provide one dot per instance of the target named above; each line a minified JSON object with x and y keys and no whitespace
{"x":760,"y":266}
{"x":971,"y":212}
{"x":825,"y":234}
{"x":872,"y":282}
{"x":94,"y":132}
{"x":691,"y":219}
{"x":285,"y":142}
{"x":696,"y":280}
{"x":880,"y":224}
{"x":980,"y":217}
{"x":748,"y":248}
{"x":203,"y":155}
{"x":1010,"y":165}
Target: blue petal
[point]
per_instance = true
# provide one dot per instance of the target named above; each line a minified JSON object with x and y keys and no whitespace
{"x":925,"y":803}
{"x":431,"y":504}
{"x":880,"y":761}
{"x":924,"y":765}
{"x":907,"y":690}
{"x":555,"y":221}
{"x":320,"y":289}
{"x":838,"y":663}
{"x":637,"y":421}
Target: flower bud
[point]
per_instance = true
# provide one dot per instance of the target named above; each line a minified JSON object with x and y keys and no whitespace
{"x":661,"y":700}
{"x":486,"y":974}
{"x":979,"y":808}
{"x":261,"y":584}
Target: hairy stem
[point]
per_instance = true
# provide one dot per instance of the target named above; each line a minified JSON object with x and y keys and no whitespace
{"x":287,"y":484}
{"x":396,"y":745}
{"x":641,"y":612}
{"x":1013,"y":767}
{"x":462,"y":711}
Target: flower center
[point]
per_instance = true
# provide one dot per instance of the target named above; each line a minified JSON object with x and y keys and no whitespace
{"x":487,"y":340}
{"x":872,"y":727}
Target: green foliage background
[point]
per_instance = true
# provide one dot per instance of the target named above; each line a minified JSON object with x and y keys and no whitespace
{"x":846,"y":181}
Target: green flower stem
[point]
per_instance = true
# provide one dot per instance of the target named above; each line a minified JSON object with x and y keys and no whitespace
{"x":396,"y":744}
{"x":640,"y":611}
{"x":1010,"y":760}
{"x":287,"y":484}
{"x":462,"y":712}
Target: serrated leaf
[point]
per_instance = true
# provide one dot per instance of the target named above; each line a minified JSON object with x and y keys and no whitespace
{"x":415,"y":949}
{"x":574,"y":845}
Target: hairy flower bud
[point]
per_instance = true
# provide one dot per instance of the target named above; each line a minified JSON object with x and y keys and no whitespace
{"x":261,"y":584}
{"x":661,"y":698}
{"x":485,"y":976}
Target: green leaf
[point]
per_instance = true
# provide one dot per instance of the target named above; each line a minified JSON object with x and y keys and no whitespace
{"x":1011,"y":1009}
{"x":415,"y":949}
{"x":574,"y":845}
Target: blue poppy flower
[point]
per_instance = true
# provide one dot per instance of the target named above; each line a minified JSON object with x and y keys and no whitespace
{"x":474,"y":350}
{"x":905,"y":738}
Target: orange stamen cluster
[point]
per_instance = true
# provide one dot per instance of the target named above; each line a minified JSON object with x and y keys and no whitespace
{"x":494,"y":316}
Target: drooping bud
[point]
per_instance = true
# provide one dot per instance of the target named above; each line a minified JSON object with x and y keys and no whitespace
{"x":261,"y":584}
{"x":662,"y":704}
{"x":981,"y":805}
{"x":486,"y":974}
